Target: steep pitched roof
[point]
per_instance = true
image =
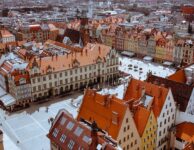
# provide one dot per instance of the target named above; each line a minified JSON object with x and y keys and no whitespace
{"x":67,"y":131}
{"x":179,"y":76}
{"x":185,"y":131}
{"x":88,"y":56}
{"x":180,"y":91}
{"x":141,"y":117}
{"x":100,"y":108}
{"x":136,"y":87}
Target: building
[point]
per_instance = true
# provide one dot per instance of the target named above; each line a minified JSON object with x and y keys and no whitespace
{"x":188,"y":52}
{"x":147,"y":126}
{"x":58,"y":74}
{"x":68,"y":133}
{"x":161,"y":100}
{"x":181,"y":84}
{"x":111,"y":115}
{"x":6,"y":36}
{"x":37,"y":32}
{"x":183,"y":136}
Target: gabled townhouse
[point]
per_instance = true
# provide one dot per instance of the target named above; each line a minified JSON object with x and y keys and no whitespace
{"x":112,"y":115}
{"x":188,"y":52}
{"x":182,"y":85}
{"x":162,"y":103}
{"x":178,"y":52}
{"x":151,"y":47}
{"x":146,"y":124}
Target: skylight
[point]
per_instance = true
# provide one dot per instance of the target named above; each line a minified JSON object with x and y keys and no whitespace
{"x":70,"y":125}
{"x":78,"y":131}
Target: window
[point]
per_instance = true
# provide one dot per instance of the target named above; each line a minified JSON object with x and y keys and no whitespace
{"x":131,"y":134}
{"x":34,"y":89}
{"x":128,"y":127}
{"x":70,"y":125}
{"x":78,"y":131}
{"x":124,"y":129}
{"x":55,"y":132}
{"x":50,"y":84}
{"x":44,"y":78}
{"x":124,"y":139}
{"x":71,"y":144}
{"x":55,"y":75}
{"x":50,"y":77}
{"x":135,"y":141}
{"x":131,"y":144}
{"x":60,"y":74}
{"x":63,"y":137}
{"x":160,"y":133}
{"x":63,"y":120}
{"x":119,"y":142}
{"x":61,"y":81}
{"x":127,"y":120}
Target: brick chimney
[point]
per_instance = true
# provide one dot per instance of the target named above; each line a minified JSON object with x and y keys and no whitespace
{"x":94,"y":135}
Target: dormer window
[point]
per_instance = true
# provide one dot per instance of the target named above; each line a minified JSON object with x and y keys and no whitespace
{"x":22,"y":81}
{"x":115,"y":118}
{"x":75,"y":63}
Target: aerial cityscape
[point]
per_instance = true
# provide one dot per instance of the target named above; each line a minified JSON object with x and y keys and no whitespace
{"x":96,"y":74}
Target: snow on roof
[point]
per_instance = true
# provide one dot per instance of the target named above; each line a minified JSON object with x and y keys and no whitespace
{"x":7,"y":100}
{"x":2,"y":92}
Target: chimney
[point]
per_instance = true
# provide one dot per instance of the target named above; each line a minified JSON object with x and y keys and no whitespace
{"x":143,"y":91}
{"x":94,"y":135}
{"x":99,"y":49}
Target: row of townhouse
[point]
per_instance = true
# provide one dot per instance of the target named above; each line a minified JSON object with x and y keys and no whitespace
{"x":141,"y":121}
{"x":43,"y":77}
{"x":159,"y":45}
{"x":37,"y":32}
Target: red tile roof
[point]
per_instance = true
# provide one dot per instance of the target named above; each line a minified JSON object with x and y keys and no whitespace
{"x":58,"y":63}
{"x":134,"y":92}
{"x":185,"y":131}
{"x":101,"y":108}
{"x":141,"y":117}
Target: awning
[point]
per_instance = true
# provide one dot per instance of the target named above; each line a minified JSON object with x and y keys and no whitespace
{"x":168,"y":63}
{"x":148,"y":58}
{"x":7,"y":100}
{"x":128,"y":53}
